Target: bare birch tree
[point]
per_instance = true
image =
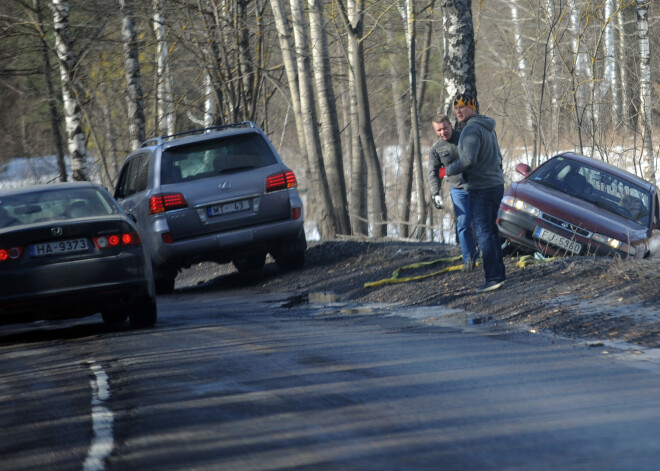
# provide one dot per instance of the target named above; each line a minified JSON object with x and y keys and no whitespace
{"x":72,"y":112}
{"x":134,"y":97}
{"x":323,"y":212}
{"x":165,"y":115}
{"x":646,"y":115}
{"x":330,"y":137}
{"x":458,"y":61}
{"x":352,"y":15}
{"x":52,"y":99}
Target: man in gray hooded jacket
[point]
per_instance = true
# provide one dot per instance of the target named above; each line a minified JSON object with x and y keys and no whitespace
{"x":480,"y":163}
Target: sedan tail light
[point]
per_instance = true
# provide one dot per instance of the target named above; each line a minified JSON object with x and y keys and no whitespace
{"x":12,"y":253}
{"x":116,"y":240}
{"x":281,"y":181}
{"x":166,"y":202}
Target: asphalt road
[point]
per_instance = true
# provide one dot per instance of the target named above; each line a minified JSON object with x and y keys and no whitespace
{"x":249,"y":381}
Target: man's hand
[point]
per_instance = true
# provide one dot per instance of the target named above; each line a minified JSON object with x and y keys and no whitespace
{"x":437,"y":201}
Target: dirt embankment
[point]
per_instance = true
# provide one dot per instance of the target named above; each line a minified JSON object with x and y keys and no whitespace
{"x":590,"y":298}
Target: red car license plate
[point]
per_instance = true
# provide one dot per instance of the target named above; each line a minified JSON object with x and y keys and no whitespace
{"x":557,"y":240}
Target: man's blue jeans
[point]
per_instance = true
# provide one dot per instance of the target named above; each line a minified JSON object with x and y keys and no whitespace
{"x":484,"y":205}
{"x":461,"y":201}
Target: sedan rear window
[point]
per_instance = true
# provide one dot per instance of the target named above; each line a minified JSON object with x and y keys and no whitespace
{"x":210,"y":158}
{"x":53,"y":205}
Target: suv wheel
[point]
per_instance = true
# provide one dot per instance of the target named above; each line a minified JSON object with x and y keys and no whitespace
{"x":290,"y":255}
{"x":250,"y":262}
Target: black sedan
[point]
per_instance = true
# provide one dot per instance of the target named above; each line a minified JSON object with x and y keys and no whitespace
{"x":575,"y":205}
{"x":67,"y":251}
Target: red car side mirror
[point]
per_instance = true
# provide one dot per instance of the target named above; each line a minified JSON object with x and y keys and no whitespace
{"x":523,"y":169}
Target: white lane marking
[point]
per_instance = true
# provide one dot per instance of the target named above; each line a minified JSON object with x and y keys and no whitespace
{"x":102,"y":419}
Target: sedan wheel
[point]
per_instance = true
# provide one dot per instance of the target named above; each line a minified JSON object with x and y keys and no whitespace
{"x":114,"y":316}
{"x":143,"y":313}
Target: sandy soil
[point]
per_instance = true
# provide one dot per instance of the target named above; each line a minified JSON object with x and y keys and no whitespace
{"x":596,"y":299}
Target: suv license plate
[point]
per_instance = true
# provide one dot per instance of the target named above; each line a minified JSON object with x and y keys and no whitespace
{"x":228,"y":208}
{"x":557,"y":240}
{"x":60,"y":247}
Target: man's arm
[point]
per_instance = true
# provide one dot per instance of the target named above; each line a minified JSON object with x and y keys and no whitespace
{"x":468,"y":148}
{"x":434,"y":166}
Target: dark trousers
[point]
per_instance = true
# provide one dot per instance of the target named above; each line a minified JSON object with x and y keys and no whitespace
{"x":483,"y":206}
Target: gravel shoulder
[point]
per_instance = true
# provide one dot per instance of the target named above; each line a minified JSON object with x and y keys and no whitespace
{"x":595,"y":299}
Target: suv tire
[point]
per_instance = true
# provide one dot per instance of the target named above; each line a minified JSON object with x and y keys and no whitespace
{"x":250,"y":262}
{"x":290,"y":255}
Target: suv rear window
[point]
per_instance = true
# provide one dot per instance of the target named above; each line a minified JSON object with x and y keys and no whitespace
{"x":210,"y":158}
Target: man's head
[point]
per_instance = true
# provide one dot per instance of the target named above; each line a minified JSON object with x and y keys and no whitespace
{"x":465,"y":106}
{"x":442,"y":127}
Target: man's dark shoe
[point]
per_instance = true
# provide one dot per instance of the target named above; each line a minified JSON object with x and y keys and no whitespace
{"x":468,"y":267}
{"x":490,"y":286}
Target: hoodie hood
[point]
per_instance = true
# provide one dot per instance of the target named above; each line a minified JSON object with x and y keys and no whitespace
{"x":484,"y":121}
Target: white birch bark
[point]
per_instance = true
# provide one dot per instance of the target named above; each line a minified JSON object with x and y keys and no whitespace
{"x":72,"y":112}
{"x":645,"y":87}
{"x":522,"y":67}
{"x":324,"y":213}
{"x":330,"y":137}
{"x":134,"y":97}
{"x":623,"y":70}
{"x":581,"y":70}
{"x":609,"y":83}
{"x":354,"y":23}
{"x":458,"y":59}
{"x":165,"y":116}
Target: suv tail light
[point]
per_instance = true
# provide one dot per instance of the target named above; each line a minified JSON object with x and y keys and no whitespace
{"x":166,"y":202}
{"x":115,"y":240}
{"x":281,"y":181}
{"x":12,"y":253}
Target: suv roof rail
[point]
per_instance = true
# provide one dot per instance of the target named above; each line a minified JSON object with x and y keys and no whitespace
{"x":159,"y":140}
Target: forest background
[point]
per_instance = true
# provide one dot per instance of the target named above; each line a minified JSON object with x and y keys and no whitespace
{"x":345,"y":89}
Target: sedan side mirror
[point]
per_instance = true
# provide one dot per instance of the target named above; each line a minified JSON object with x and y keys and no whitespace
{"x":523,"y":169}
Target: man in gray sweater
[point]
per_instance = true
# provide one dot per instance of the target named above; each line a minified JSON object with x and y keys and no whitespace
{"x":443,"y":153}
{"x":480,"y":164}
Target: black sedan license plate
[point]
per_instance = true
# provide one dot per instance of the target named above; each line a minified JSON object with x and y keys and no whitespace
{"x":228,"y":208}
{"x":557,"y":240}
{"x":59,"y":247}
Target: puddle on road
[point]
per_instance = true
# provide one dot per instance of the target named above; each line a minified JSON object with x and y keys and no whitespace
{"x":310,"y":298}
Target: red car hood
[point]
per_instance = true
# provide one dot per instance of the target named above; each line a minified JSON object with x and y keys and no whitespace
{"x":580,"y":212}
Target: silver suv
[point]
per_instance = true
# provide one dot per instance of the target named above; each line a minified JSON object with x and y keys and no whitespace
{"x":217,"y":194}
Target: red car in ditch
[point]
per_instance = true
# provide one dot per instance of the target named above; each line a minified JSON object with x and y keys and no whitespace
{"x":576,"y":205}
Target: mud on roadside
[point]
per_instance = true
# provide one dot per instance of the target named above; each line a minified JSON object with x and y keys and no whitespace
{"x":596,"y":299}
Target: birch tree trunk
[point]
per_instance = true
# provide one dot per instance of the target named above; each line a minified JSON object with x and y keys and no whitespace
{"x":324,"y":213}
{"x":403,"y":157}
{"x":551,"y":78}
{"x":134,"y":97}
{"x":354,"y":27}
{"x":408,"y":14}
{"x":331,"y":139}
{"x":645,"y":87}
{"x":72,"y":111}
{"x":165,"y":116}
{"x":579,"y":76}
{"x":522,"y":70}
{"x":609,"y":82}
{"x":458,"y":59}
{"x":359,"y":192}
{"x":52,"y":99}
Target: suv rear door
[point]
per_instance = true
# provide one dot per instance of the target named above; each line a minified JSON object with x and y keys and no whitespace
{"x":223,"y":181}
